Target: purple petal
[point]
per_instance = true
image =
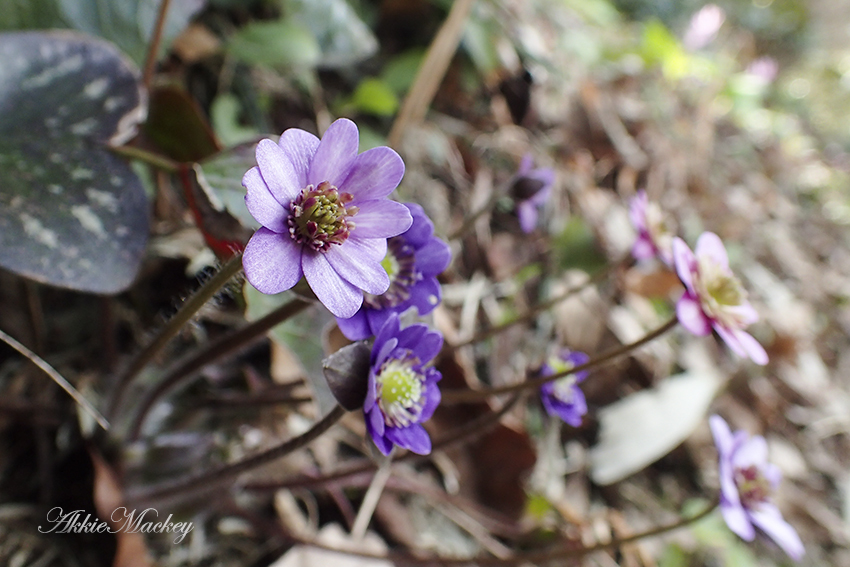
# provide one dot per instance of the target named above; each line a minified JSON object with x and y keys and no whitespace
{"x":381,"y":219}
{"x":421,"y":229}
{"x":709,"y":245}
{"x":300,"y":146}
{"x":355,"y":328}
{"x":387,"y":332}
{"x":691,"y":316}
{"x":752,"y":452}
{"x":339,"y":296}
{"x":371,"y":396}
{"x":369,"y":249}
{"x":384,"y":352}
{"x":643,"y":248}
{"x":277,"y":171}
{"x":433,"y":258}
{"x":425,"y":295}
{"x":410,"y":337}
{"x":335,"y":154}
{"x":527,"y":213}
{"x":743,"y":344}
{"x":378,"y":317}
{"x":769,"y":519}
{"x":272,"y":261}
{"x":686,"y":262}
{"x":374,"y":174}
{"x":367,"y":276}
{"x":376,"y":428}
{"x":262,"y":205}
{"x":637,"y":211}
{"x":429,"y":347}
{"x":736,"y":518}
{"x":432,"y":399}
{"x":722,"y":435}
{"x":414,"y":438}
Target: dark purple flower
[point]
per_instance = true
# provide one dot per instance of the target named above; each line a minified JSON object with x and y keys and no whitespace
{"x":402,"y":392}
{"x":714,"y":298}
{"x":655,"y":237}
{"x":413,"y":261}
{"x":325,"y":215}
{"x":531,"y":189}
{"x":562,"y":397}
{"x":747,"y":482}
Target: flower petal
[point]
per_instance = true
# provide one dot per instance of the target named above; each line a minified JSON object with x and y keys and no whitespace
{"x":368,"y":276}
{"x":381,"y":219}
{"x":428,"y":347}
{"x":736,"y":518}
{"x":414,"y":438}
{"x":378,"y":317}
{"x":300,"y":146}
{"x":709,"y":245}
{"x":374,"y":174}
{"x":335,"y":154}
{"x":686,"y":262}
{"x":637,"y":210}
{"x":357,"y":327}
{"x":752,"y":452}
{"x":768,"y":518}
{"x":432,"y":398}
{"x":421,"y":229}
{"x":340,"y":297}
{"x":722,"y":435}
{"x":743,"y":344}
{"x":425,"y":295}
{"x":433,"y":258}
{"x":691,"y":316}
{"x":643,"y":249}
{"x":386,"y":333}
{"x":272,"y":261}
{"x":278,"y":172}
{"x":527,"y":213}
{"x":262,"y":205}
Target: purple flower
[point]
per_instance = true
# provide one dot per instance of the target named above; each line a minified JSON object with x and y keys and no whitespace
{"x":714,"y":298}
{"x":413,"y":261}
{"x":563,"y":397}
{"x":531,"y":189}
{"x":402,"y":393}
{"x":325,"y":215}
{"x":747,"y":482}
{"x":655,"y":237}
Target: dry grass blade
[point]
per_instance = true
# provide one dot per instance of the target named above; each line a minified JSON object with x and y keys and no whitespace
{"x":56,"y":377}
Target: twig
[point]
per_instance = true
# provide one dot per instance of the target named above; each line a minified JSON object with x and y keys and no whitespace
{"x":431,"y":71}
{"x":56,"y":377}
{"x":153,"y":48}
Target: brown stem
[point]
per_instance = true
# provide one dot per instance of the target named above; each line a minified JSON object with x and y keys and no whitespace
{"x":153,"y":48}
{"x":468,"y":396}
{"x":186,"y":370}
{"x":199,"y":484}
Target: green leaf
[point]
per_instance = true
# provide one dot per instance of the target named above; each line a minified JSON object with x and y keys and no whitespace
{"x":178,"y":125}
{"x":373,"y":96}
{"x":29,"y":14}
{"x":129,"y":23}
{"x":342,"y":36}
{"x":400,"y":71}
{"x":220,"y":176}
{"x":301,"y":334}
{"x":576,"y":247}
{"x":279,"y":43}
{"x":72,"y":214}
{"x":224,"y":114}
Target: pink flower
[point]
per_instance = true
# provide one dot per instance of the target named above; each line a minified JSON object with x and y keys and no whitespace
{"x":747,"y":482}
{"x":714,"y":298}
{"x":655,"y":237}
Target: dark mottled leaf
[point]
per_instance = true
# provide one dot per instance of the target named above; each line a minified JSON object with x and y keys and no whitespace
{"x":72,"y":214}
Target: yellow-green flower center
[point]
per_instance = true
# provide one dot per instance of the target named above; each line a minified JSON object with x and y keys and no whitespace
{"x":320,"y":216}
{"x":562,"y":387}
{"x":400,"y":392}
{"x":400,"y":265}
{"x":720,"y":292}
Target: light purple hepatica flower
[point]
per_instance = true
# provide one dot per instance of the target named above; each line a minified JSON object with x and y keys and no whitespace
{"x":747,"y":482}
{"x":531,"y":189}
{"x":714,"y":298}
{"x":562,"y":397}
{"x":654,"y":234}
{"x":325,"y":215}
{"x":402,"y":392}
{"x":413,"y":261}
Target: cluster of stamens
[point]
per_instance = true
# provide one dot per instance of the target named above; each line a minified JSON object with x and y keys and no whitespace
{"x":720,"y":291}
{"x":752,"y":485}
{"x":319,"y":217}
{"x":400,"y":392}
{"x":400,"y":265}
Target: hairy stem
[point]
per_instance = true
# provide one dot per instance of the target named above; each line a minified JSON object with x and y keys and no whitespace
{"x":185,"y":370}
{"x":467,"y":396}
{"x":188,"y":310}
{"x":199,"y":484}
